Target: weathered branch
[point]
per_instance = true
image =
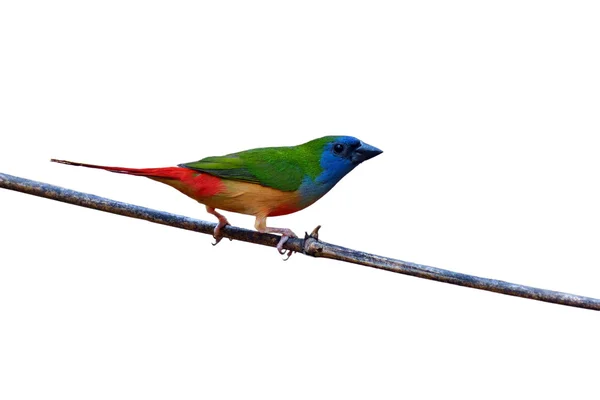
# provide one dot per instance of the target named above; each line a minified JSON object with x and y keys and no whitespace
{"x":310,"y":245}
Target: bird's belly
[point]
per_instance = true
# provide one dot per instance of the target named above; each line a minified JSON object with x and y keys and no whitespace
{"x":236,"y":196}
{"x":253,"y":199}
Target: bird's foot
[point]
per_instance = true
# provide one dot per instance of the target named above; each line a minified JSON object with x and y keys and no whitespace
{"x":285,"y":235}
{"x":217,"y":233}
{"x":222,"y":223}
{"x":261,"y":226}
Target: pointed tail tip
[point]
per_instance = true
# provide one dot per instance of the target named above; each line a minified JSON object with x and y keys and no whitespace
{"x":65,"y":162}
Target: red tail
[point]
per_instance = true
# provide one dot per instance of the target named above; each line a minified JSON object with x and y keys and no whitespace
{"x":168,"y":172}
{"x":188,"y":181}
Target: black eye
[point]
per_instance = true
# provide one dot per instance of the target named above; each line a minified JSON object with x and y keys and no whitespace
{"x":338,"y":148}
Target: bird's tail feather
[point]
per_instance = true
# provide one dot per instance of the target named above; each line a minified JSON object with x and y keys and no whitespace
{"x":168,"y":172}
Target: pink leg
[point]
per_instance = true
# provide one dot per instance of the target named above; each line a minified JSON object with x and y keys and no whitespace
{"x":222,"y":222}
{"x":261,"y":226}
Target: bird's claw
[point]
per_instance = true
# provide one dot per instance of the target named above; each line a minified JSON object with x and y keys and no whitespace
{"x":217,"y":235}
{"x":288,"y":255}
{"x":280,"y":248}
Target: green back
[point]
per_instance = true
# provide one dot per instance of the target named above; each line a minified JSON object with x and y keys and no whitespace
{"x":282,"y":168}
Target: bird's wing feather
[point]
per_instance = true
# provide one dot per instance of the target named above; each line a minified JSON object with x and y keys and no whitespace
{"x":272,"y":167}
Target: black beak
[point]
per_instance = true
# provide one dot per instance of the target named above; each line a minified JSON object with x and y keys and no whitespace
{"x":365,"y":152}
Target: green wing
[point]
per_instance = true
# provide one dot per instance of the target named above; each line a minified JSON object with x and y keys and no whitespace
{"x":282,"y":168}
{"x":275,"y":167}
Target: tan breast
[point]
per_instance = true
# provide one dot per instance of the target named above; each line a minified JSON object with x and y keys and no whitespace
{"x":253,"y":199}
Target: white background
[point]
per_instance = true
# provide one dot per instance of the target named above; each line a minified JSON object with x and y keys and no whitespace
{"x":488,"y":115}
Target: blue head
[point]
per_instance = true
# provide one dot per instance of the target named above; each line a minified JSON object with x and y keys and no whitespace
{"x":339,"y":155}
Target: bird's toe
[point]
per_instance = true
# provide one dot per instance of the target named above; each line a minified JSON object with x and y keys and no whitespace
{"x":282,"y":241}
{"x":217,"y":234}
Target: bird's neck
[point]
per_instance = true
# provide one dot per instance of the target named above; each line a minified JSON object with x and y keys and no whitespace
{"x":312,"y":190}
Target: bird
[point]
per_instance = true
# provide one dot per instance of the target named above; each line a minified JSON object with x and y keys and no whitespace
{"x":263,"y":182}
